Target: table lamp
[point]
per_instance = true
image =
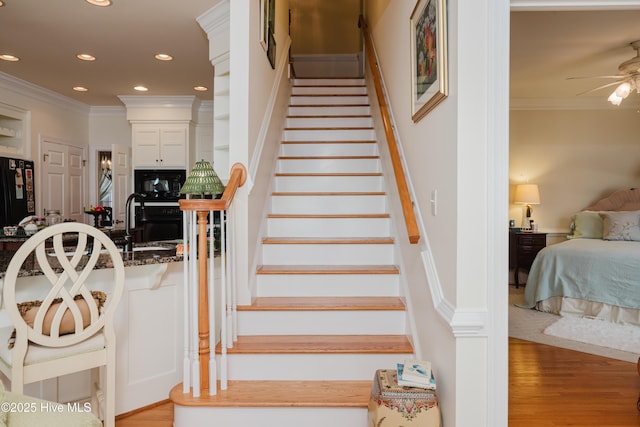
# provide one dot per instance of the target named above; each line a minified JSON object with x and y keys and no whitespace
{"x":527,"y":194}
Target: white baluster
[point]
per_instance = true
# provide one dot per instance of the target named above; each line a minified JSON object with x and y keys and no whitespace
{"x":213,"y":378}
{"x":193,"y":248}
{"x":186,"y":363}
{"x":223,"y":301}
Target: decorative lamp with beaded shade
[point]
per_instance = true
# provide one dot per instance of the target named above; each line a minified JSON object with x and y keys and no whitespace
{"x":202,"y":181}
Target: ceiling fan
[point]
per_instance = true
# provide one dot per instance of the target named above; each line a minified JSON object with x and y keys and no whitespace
{"x":627,"y":81}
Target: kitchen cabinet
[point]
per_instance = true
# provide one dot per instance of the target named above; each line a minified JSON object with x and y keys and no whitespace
{"x":161,"y":146}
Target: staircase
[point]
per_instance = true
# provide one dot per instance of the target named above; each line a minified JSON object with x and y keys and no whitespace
{"x":328,"y":310}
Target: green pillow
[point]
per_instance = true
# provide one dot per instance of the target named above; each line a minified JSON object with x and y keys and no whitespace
{"x":587,"y":225}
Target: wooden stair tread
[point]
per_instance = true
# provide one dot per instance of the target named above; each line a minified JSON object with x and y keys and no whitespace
{"x":281,"y":394}
{"x":331,"y":174}
{"x":329,"y":216}
{"x":313,"y":344}
{"x":328,"y":193}
{"x":350,"y":141}
{"x":330,"y":105}
{"x":322,"y":116}
{"x":327,"y":269}
{"x":332,"y":128}
{"x":327,"y":240}
{"x":324,"y":303}
{"x":326,"y":157}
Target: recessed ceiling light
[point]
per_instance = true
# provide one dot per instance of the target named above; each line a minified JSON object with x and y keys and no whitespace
{"x":1,"y":3}
{"x":201,"y":88}
{"x":141,"y":88}
{"x":86,"y":57}
{"x":8,"y":57}
{"x":99,"y":2}
{"x":80,"y":89}
{"x":164,"y":57}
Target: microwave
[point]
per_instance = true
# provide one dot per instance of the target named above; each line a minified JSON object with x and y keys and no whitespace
{"x":159,"y":185}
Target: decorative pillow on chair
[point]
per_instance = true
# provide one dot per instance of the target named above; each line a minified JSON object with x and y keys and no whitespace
{"x":29,"y":309}
{"x":623,"y":225}
{"x":587,"y":225}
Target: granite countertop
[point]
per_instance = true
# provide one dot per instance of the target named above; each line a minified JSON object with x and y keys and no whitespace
{"x":143,"y":257}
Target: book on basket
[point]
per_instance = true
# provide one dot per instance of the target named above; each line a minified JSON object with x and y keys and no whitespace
{"x":402,"y":381}
{"x":417,"y":371}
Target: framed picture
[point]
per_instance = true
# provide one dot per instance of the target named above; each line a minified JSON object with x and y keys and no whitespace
{"x":428,"y":56}
{"x":267,"y":27}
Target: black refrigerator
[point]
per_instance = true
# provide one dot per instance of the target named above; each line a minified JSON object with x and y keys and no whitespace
{"x":17,"y":190}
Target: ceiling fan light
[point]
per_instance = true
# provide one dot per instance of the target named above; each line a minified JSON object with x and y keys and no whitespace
{"x":623,"y":90}
{"x":614,"y":99}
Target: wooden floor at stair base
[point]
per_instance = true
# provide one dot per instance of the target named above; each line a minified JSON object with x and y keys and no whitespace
{"x":281,"y":394}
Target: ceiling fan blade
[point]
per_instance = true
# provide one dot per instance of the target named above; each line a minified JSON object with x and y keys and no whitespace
{"x":601,"y":87}
{"x":619,"y":76}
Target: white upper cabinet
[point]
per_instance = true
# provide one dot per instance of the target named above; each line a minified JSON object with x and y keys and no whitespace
{"x":161,"y":146}
{"x":163,"y":130}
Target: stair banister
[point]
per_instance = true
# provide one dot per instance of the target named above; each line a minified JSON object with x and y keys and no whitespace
{"x":398,"y":170}
{"x":200,"y":368}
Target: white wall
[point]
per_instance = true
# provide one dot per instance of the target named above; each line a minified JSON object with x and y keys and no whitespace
{"x":575,"y":156}
{"x":451,"y":273}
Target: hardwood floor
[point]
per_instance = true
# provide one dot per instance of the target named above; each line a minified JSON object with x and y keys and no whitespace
{"x":548,"y":387}
{"x":551,"y":386}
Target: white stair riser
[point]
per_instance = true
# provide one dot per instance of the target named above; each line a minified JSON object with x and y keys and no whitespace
{"x":328,"y":204}
{"x":330,"y":149}
{"x":328,"y":165}
{"x":329,"y":254}
{"x":327,"y":285}
{"x":319,"y":227}
{"x":330,"y":100}
{"x":341,"y":110}
{"x":325,"y":366}
{"x":329,"y":183}
{"x":329,"y":135}
{"x":190,"y":416}
{"x":335,"y":90}
{"x":332,"y":322}
{"x":328,"y":122}
{"x":329,"y":82}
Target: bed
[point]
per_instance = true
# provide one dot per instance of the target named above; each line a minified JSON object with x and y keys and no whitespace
{"x":596,"y":272}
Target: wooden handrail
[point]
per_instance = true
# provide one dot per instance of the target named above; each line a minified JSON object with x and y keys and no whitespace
{"x":237,"y":179}
{"x":403,"y":189}
{"x":202,"y":207}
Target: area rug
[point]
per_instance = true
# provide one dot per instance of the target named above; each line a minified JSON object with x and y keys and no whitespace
{"x":597,"y":332}
{"x":529,"y":325}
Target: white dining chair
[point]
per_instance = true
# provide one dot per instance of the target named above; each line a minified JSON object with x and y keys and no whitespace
{"x":69,"y":328}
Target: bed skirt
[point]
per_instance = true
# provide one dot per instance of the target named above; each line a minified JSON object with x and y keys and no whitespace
{"x":565,"y":306}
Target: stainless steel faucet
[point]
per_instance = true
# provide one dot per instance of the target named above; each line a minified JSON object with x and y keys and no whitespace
{"x":128,"y":237}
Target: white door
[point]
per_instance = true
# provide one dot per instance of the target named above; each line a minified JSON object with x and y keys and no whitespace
{"x":63,"y":179}
{"x":54,"y":189}
{"x":75,"y":172}
{"x":122,"y":186}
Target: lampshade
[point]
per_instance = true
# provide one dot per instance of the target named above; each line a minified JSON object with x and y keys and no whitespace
{"x":527,"y":194}
{"x":202,"y":180}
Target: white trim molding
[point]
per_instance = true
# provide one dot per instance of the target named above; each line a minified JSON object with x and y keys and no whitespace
{"x":531,"y":5}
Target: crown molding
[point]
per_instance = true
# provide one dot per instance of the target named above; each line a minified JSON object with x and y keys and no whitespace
{"x":24,"y":88}
{"x":540,"y":5}
{"x":572,"y":104}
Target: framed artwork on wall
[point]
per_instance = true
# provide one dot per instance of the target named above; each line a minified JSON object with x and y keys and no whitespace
{"x":428,"y":56}
{"x":267,"y":28}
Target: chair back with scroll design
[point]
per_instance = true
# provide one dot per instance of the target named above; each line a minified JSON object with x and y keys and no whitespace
{"x":69,"y":328}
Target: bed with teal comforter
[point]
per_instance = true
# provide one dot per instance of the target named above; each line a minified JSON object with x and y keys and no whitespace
{"x":592,"y":270}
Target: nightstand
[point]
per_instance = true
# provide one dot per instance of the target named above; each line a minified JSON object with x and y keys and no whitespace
{"x":523,"y":248}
